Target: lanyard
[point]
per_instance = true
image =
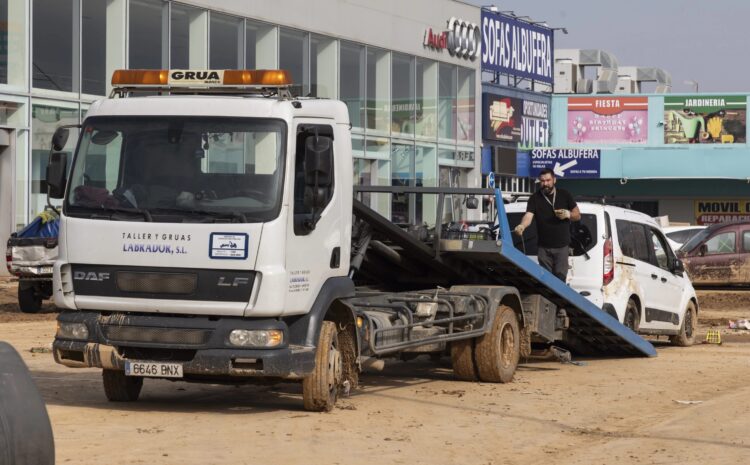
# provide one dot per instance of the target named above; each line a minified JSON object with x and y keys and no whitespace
{"x":554,"y":197}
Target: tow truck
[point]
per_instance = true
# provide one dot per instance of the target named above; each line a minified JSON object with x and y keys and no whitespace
{"x":211,"y":231}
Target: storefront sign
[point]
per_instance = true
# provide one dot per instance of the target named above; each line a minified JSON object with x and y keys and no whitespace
{"x":718,"y":119}
{"x":566,"y":163}
{"x":608,"y":120}
{"x":721,"y":211}
{"x":461,"y":39}
{"x":515,"y":47}
{"x":509,"y":119}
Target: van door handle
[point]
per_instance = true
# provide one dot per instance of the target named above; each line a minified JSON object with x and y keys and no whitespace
{"x":664,"y":280}
{"x":653,"y":276}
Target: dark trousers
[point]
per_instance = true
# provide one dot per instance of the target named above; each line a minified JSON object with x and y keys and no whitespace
{"x":554,"y":260}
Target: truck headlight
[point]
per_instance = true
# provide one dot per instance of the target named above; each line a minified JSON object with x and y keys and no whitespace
{"x":77,"y":331}
{"x":256,"y":337}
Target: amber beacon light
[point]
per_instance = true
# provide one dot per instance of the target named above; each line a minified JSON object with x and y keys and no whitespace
{"x":201,"y":78}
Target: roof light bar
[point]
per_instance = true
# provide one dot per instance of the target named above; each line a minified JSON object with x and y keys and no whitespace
{"x":200,"y":78}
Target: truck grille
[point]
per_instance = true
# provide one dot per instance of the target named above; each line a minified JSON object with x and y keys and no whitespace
{"x":142,"y":334}
{"x":156,"y":283}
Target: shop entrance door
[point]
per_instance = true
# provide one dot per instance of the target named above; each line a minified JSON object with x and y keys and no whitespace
{"x":7,"y":192}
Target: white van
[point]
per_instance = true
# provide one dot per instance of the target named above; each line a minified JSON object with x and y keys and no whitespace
{"x":621,"y":261}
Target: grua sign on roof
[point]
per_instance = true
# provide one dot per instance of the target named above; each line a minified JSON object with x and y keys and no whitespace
{"x":515,"y":47}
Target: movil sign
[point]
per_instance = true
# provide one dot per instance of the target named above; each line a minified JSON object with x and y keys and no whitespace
{"x":462,"y":39}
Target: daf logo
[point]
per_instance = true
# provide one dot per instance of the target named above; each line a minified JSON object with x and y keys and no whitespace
{"x":236,"y":282}
{"x":463,"y":39}
{"x":90,"y":276}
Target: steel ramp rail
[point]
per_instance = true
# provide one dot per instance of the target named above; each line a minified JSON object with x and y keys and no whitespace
{"x":591,"y":331}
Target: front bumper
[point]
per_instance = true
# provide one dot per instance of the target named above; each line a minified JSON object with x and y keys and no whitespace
{"x":160,"y":338}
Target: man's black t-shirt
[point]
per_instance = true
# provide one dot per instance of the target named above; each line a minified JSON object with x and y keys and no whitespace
{"x":552,"y":232}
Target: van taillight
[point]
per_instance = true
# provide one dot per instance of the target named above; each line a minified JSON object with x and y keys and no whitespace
{"x":608,"y":267}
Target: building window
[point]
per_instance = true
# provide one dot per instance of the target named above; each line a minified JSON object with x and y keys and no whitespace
{"x":402,"y":175}
{"x":447,"y":102}
{"x":323,"y":67}
{"x":402,"y":95}
{"x":378,"y":90}
{"x":4,"y":39}
{"x":188,"y":37}
{"x":425,"y":175}
{"x":53,"y":44}
{"x":260,"y":46}
{"x":352,"y":81}
{"x":226,"y":42}
{"x":465,"y":105}
{"x":147,"y":44}
{"x":45,"y":118}
{"x":14,"y":54}
{"x":94,"y":47}
{"x":294,"y":57}
{"x":426,"y":108}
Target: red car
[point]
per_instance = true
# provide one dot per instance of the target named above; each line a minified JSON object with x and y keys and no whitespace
{"x":719,"y":255}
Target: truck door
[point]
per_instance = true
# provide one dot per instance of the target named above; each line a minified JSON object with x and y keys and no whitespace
{"x":315,"y":240}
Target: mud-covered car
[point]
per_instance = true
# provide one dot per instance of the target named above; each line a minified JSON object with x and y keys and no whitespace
{"x":719,"y":255}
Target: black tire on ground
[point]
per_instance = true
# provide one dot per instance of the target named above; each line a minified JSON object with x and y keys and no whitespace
{"x":496,"y":353}
{"x":686,"y":337}
{"x":462,"y":359}
{"x":29,"y":300}
{"x":632,"y":317}
{"x":121,"y":388}
{"x":25,"y":431}
{"x":320,"y":389}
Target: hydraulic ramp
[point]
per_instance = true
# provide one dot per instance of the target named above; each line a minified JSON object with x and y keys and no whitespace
{"x":424,"y":258}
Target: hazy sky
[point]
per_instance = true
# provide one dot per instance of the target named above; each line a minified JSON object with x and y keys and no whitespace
{"x":705,"y":41}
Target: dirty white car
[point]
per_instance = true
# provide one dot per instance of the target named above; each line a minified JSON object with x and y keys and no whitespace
{"x":621,"y":261}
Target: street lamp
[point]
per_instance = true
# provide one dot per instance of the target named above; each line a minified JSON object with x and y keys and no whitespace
{"x":692,"y":83}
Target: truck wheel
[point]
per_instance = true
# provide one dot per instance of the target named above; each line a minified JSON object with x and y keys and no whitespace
{"x":121,"y":388}
{"x":462,"y":358}
{"x":497,"y":352}
{"x":631,"y":319}
{"x":320,"y":389}
{"x":686,"y":337}
{"x":29,"y":300}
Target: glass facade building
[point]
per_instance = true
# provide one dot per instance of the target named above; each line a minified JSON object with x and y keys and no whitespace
{"x":412,"y":109}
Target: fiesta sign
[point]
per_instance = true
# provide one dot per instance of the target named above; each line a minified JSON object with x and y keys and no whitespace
{"x":462,"y":39}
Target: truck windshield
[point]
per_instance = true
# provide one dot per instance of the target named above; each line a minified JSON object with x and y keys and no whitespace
{"x":178,"y":169}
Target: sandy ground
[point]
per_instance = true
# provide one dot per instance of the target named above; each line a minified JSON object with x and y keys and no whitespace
{"x":609,"y":411}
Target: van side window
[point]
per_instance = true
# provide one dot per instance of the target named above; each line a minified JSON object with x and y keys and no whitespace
{"x":661,"y":256}
{"x":721,"y":243}
{"x":746,"y":241}
{"x":633,"y":241}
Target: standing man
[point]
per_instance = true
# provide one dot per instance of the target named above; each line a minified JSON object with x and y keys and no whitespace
{"x":553,"y":209}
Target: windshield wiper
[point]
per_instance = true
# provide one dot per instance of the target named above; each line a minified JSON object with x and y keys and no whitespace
{"x":231,"y":215}
{"x":136,"y":211}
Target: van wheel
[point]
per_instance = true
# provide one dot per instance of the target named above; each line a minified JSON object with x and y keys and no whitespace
{"x":686,"y":337}
{"x":631,"y":319}
{"x":121,"y":388}
{"x":320,"y":389}
{"x":462,"y":358}
{"x":497,"y":352}
{"x":29,"y":300}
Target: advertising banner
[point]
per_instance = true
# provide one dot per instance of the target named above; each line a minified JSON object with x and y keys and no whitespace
{"x":509,"y":119}
{"x":515,"y":47}
{"x":721,"y":211}
{"x":607,"y":120}
{"x":715,"y":119}
{"x":567,"y":163}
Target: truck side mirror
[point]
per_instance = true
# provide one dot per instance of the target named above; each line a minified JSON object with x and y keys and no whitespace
{"x":57,"y":169}
{"x":60,"y":138}
{"x":318,"y":172}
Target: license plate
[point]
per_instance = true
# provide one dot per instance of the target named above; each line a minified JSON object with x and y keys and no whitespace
{"x":45,"y":270}
{"x":153,"y":369}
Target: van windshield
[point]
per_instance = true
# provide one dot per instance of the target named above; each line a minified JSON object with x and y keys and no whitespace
{"x":178,"y":169}
{"x":583,"y":235}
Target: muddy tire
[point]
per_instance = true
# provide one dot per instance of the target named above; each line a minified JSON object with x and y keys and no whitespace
{"x":29,"y":300}
{"x":121,"y":388}
{"x":462,"y":359}
{"x":631,"y":319}
{"x":320,"y":389}
{"x":497,"y":352}
{"x":686,"y":337}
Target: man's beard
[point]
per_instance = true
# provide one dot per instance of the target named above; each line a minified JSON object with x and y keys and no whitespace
{"x":548,"y":190}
